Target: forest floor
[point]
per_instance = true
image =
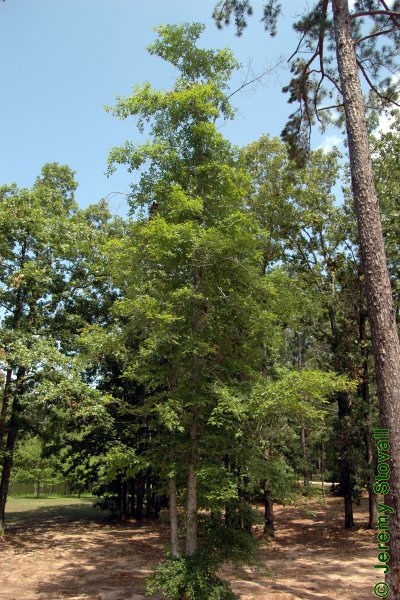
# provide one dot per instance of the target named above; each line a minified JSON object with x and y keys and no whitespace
{"x":64,"y":548}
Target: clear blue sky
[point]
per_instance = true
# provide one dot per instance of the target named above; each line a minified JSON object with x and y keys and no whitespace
{"x":63,"y":60}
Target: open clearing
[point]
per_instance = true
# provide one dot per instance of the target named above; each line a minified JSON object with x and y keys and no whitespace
{"x":64,"y":548}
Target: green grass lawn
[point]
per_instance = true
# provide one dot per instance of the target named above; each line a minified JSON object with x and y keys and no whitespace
{"x":25,"y":509}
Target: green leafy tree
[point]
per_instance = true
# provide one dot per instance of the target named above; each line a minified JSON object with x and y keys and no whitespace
{"x":190,"y":272}
{"x":42,"y":239}
{"x":30,"y":466}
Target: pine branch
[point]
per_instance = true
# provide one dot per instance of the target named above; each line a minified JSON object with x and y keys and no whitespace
{"x":330,"y":107}
{"x":372,"y":35}
{"x":371,"y":13}
{"x":298,"y":47}
{"x":393,"y":19}
{"x":373,"y":87}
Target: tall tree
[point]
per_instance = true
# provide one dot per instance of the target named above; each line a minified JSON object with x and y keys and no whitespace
{"x":188,"y":265}
{"x":328,"y":29}
{"x":42,"y":233}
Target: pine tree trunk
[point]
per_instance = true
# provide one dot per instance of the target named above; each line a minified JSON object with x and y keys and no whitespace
{"x":173,"y":517}
{"x":365,"y":396}
{"x":372,"y":497}
{"x":385,"y":339}
{"x":370,"y":454}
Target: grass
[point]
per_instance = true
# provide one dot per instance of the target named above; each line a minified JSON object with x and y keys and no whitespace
{"x":20,"y":510}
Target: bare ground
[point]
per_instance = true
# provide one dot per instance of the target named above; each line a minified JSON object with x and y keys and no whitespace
{"x":54,"y":554}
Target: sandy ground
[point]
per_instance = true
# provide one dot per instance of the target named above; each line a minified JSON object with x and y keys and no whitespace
{"x":50,"y":556}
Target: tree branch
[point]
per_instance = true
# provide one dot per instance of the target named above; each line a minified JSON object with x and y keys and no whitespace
{"x":298,"y":47}
{"x":246,"y":83}
{"x":371,"y":13}
{"x":372,"y":35}
{"x":330,"y":107}
{"x":392,"y":18}
{"x":373,"y":87}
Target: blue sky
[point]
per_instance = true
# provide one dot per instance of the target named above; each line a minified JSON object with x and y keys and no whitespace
{"x":63,"y":60}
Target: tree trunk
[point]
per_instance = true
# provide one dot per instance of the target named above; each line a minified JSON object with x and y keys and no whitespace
{"x":385,"y":339}
{"x":322,"y":471}
{"x":149,"y":507}
{"x":346,"y":466}
{"x":132,"y":488}
{"x":173,"y":517}
{"x":191,"y":513}
{"x":269,"y":522}
{"x":139,"y":497}
{"x":5,"y":405}
{"x":7,"y":466}
{"x":304,"y":454}
{"x":365,"y":396}
{"x":124,"y":499}
{"x":372,"y":497}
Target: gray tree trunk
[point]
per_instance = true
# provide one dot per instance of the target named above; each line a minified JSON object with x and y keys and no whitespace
{"x":191,"y":511}
{"x":385,"y":340}
{"x":269,"y":521}
{"x":173,"y":517}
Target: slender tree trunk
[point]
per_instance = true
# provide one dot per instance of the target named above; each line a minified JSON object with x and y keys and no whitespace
{"x":173,"y":517}
{"x":304,"y":454}
{"x":139,"y":497}
{"x":149,"y":504}
{"x":124,"y":499}
{"x":372,"y":497}
{"x":346,"y":466}
{"x":269,"y":521}
{"x":322,"y":471}
{"x":5,"y":405}
{"x":132,"y":488}
{"x":385,"y":339}
{"x":7,"y":465}
{"x":365,"y":396}
{"x":191,"y":511}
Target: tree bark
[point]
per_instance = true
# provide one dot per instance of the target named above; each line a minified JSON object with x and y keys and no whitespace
{"x":346,"y":466}
{"x":365,"y":396}
{"x":8,"y":462}
{"x":191,"y":511}
{"x":385,"y":339}
{"x":304,"y":454}
{"x":5,"y":405}
{"x":173,"y":517}
{"x":269,"y":521}
{"x":139,"y":497}
{"x":372,"y":497}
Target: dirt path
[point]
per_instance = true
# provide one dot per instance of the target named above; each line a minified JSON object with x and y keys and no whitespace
{"x":50,"y":558}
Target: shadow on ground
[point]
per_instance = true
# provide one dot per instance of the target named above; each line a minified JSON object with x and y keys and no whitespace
{"x":72,"y":551}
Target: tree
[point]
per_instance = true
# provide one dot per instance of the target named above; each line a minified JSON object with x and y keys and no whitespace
{"x":188,"y":264}
{"x":30,"y":466}
{"x":340,"y":32}
{"x":42,"y":241}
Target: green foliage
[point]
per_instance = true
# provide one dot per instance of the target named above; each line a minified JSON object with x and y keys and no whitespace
{"x":195,"y":577}
{"x":192,"y":577}
{"x":30,"y":466}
